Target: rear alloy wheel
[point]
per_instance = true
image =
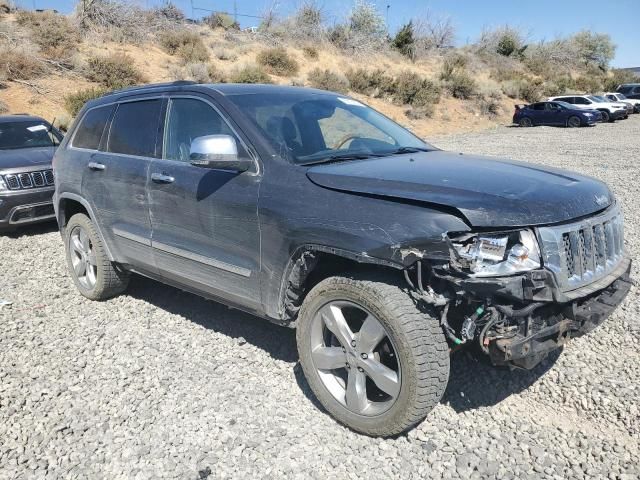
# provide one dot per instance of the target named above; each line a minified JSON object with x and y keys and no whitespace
{"x":375,"y":361}
{"x":605,"y":116}
{"x":95,"y":276}
{"x":573,"y":122}
{"x":525,"y":122}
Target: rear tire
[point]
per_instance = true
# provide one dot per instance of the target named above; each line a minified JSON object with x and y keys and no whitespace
{"x":525,"y":122}
{"x":574,"y":122}
{"x":606,"y":117}
{"x":95,"y":276}
{"x":420,"y":362}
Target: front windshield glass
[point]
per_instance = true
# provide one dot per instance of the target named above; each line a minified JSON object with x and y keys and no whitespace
{"x":314,"y":128}
{"x":620,"y":96}
{"x":596,"y":99}
{"x":28,"y":134}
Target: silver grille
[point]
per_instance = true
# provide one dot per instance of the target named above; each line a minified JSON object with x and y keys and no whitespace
{"x":581,"y":253}
{"x":21,"y":181}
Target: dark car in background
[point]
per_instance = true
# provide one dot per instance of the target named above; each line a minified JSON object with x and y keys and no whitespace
{"x":630,"y":90}
{"x":27,"y":145}
{"x":314,"y":211}
{"x":554,"y":114}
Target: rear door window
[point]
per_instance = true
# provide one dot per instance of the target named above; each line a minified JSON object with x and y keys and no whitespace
{"x":134,"y":129}
{"x":582,"y":101}
{"x":91,"y":128}
{"x":538,"y":106}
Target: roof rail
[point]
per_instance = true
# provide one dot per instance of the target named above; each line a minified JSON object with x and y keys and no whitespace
{"x":151,"y":85}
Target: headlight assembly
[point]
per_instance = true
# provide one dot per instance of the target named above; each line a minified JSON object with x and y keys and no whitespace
{"x":491,"y":255}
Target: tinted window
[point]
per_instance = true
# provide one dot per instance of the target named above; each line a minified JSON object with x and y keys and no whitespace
{"x":582,"y":101}
{"x":538,"y":106}
{"x":310,"y":127}
{"x":90,"y":130}
{"x":135,"y":127}
{"x":188,"y":119}
{"x":552,"y":106}
{"x":565,"y":99}
{"x":28,"y":134}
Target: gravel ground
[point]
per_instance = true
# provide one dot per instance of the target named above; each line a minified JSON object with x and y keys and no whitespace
{"x":162,"y":384}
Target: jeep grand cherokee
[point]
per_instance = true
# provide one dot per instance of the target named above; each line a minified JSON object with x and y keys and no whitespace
{"x":314,"y":211}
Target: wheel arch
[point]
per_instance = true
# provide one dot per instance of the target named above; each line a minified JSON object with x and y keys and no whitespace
{"x":69,"y":204}
{"x":310,"y":264}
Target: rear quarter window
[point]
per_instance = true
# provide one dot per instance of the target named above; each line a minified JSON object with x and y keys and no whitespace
{"x":134,"y":128}
{"x":91,"y":128}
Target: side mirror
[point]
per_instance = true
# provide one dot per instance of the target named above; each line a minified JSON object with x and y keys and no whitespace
{"x":217,"y":151}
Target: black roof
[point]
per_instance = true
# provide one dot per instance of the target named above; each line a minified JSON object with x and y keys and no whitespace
{"x":226,"y":89}
{"x":21,"y":117}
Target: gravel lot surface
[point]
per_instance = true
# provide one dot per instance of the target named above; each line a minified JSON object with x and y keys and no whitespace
{"x":162,"y":384}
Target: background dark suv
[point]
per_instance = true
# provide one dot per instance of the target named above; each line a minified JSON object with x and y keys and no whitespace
{"x":315,"y":211}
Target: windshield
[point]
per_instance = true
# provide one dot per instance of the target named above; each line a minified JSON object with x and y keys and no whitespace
{"x":314,"y":128}
{"x":620,"y":96}
{"x":596,"y":99}
{"x":28,"y":134}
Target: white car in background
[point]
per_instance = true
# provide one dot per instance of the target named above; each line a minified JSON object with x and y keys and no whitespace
{"x":620,"y":97}
{"x":610,"y":111}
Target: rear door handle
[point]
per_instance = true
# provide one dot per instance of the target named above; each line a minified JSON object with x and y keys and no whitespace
{"x":96,"y":166}
{"x":162,"y":178}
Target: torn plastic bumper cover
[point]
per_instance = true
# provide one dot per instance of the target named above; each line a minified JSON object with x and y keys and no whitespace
{"x":579,"y":317}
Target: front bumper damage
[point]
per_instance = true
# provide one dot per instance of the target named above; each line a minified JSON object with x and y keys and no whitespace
{"x":553,"y":315}
{"x":528,"y":348}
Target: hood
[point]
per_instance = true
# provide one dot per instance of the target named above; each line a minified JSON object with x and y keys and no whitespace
{"x":26,"y":157}
{"x":488,"y":192}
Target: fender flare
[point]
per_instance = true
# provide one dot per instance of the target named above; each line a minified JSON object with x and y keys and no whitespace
{"x":87,"y":206}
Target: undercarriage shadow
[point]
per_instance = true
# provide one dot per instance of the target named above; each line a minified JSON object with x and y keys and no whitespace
{"x":473,"y":383}
{"x":277,"y":341}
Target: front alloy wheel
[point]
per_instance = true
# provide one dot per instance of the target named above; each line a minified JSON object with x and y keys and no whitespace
{"x":360,"y":369}
{"x":375,"y":360}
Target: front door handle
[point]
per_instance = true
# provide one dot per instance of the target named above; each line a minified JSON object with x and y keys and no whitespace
{"x":96,"y":166}
{"x":162,"y":178}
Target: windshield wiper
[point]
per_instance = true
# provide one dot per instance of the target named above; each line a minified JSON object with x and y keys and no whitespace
{"x":401,"y":150}
{"x":341,"y":157}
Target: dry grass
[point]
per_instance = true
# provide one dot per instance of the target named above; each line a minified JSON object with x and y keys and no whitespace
{"x":55,"y":34}
{"x":19,"y":64}
{"x":278,"y":62}
{"x":328,"y":80}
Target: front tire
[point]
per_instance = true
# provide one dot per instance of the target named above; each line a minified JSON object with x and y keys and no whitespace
{"x":95,"y":276}
{"x":606,"y":117}
{"x":374,"y":360}
{"x":574,"y":122}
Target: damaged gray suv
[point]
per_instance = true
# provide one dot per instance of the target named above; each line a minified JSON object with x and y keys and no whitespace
{"x":314,"y":211}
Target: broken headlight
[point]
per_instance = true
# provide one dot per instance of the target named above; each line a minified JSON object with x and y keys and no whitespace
{"x":490,"y":255}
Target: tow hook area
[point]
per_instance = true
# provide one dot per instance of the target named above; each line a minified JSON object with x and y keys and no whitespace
{"x":527,"y":352}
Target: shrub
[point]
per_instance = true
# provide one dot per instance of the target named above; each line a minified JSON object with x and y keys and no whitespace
{"x":328,"y":80}
{"x":114,"y":71}
{"x":225,"y":55}
{"x":19,"y":65}
{"x":250,"y":74}
{"x":375,"y":83}
{"x":420,"y":113}
{"x":74,"y":101}
{"x":594,"y":48}
{"x":452,"y":64}
{"x":56,"y":36}
{"x":405,"y":41}
{"x":216,"y":76}
{"x":169,"y":11}
{"x":461,"y":85}
{"x":310,"y":52}
{"x":278,"y":62}
{"x":365,"y":29}
{"x":4,"y":108}
{"x":185,"y":44}
{"x":489,"y":104}
{"x":618,"y":77}
{"x":221,"y":20}
{"x":306,"y":23}
{"x":530,"y":91}
{"x":412,"y":89}
{"x":588,"y":83}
